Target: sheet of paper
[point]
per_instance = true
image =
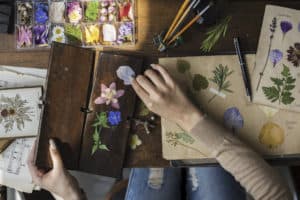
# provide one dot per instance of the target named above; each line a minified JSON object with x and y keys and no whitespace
{"x":276,"y":76}
{"x":271,"y":132}
{"x":14,"y":172}
{"x":20,"y":112}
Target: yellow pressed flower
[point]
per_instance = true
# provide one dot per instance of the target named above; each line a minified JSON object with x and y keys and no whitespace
{"x":135,"y":141}
{"x":75,"y":16}
{"x":271,"y":135}
{"x":92,"y":34}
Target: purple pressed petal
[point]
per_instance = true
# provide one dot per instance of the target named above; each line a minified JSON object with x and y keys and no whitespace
{"x":120,"y":93}
{"x":286,"y":26}
{"x":275,"y":56}
{"x":100,"y":100}
{"x":116,"y":105}
{"x":103,"y":87}
{"x":233,"y":118}
{"x":112,"y":86}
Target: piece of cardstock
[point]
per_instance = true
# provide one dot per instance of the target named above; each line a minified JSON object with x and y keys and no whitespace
{"x":269,"y":131}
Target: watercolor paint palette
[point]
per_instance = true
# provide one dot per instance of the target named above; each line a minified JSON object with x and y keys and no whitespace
{"x":86,"y":23}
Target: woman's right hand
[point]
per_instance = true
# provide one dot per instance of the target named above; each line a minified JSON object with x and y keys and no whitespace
{"x":162,"y":96}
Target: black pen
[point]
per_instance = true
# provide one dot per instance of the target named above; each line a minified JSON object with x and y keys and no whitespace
{"x":243,"y":68}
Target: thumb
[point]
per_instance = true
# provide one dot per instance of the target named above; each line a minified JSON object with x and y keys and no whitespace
{"x":55,"y":156}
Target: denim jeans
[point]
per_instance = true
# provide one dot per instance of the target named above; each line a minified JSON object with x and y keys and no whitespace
{"x":202,"y":183}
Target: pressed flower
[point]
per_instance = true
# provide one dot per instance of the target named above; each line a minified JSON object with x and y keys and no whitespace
{"x":73,"y":33}
{"x":91,"y":11}
{"x":41,"y":35}
{"x":109,"y":33}
{"x":74,"y":12}
{"x":92,"y":34}
{"x":271,"y":135}
{"x":135,"y":141}
{"x":4,"y":113}
{"x":126,"y":74}
{"x":114,"y":118}
{"x":125,"y":33}
{"x":275,"y":56}
{"x":110,"y":95}
{"x":61,"y":39}
{"x":294,"y":54}
{"x":285,"y":26}
{"x":57,"y":11}
{"x":24,"y":36}
{"x":124,"y":12}
{"x":233,"y":119}
{"x":24,"y":11}
{"x":58,"y":30}
{"x":41,"y":13}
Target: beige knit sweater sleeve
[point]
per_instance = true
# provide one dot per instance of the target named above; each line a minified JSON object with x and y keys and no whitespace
{"x":259,"y":179}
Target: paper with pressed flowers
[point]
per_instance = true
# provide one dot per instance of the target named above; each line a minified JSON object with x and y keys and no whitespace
{"x":275,"y":78}
{"x":20,"y":112}
{"x":267,"y":130}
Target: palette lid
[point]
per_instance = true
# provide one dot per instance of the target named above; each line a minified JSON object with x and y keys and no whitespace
{"x":69,"y":74}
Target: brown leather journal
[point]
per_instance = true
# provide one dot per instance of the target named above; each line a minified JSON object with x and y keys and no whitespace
{"x":70,"y":113}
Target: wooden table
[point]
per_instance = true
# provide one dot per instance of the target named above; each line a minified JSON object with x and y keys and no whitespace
{"x":153,"y":17}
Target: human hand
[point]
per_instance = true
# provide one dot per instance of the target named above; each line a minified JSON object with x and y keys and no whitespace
{"x":57,"y":181}
{"x":162,"y":96}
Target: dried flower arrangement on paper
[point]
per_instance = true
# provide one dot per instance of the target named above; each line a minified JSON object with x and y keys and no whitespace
{"x":282,"y":89}
{"x":14,"y":112}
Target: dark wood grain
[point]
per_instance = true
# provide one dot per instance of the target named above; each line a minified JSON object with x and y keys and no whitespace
{"x":67,"y":92}
{"x":109,"y":163}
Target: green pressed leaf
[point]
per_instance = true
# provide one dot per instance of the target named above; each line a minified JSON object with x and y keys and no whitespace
{"x":103,"y":147}
{"x":200,"y":82}
{"x":289,"y":87}
{"x":183,"y":66}
{"x":185,"y":137}
{"x":271,"y":93}
{"x":277,"y":81}
{"x":221,"y":73}
{"x":287,"y":99}
{"x":290,"y":80}
{"x":286,"y":71}
{"x":94,"y":149}
{"x":96,"y":136}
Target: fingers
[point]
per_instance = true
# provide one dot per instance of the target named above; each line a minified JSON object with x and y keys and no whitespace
{"x":155,"y":78}
{"x":34,"y":171}
{"x":144,"y":96}
{"x":163,"y":72}
{"x":55,"y":156}
{"x":146,"y":85}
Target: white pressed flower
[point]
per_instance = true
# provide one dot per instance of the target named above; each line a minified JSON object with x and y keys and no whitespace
{"x":58,"y":31}
{"x":58,"y":38}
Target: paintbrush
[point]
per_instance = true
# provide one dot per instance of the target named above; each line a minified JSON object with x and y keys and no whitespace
{"x":196,"y":18}
{"x":182,"y":8}
{"x":193,"y":5}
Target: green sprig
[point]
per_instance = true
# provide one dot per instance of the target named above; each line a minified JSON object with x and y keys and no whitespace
{"x":99,"y":124}
{"x":214,"y":34}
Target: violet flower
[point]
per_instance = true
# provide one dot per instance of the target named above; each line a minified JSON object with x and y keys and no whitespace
{"x":24,"y":37}
{"x":125,"y":33}
{"x":40,"y":34}
{"x":233,"y":119}
{"x":286,"y":26}
{"x":275,"y":56}
{"x":109,"y":95}
{"x":41,"y":13}
{"x":114,"y":118}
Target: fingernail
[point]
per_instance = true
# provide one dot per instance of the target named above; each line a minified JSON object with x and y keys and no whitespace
{"x":52,"y":144}
{"x":153,"y":66}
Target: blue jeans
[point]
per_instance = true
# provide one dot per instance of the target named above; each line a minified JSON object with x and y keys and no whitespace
{"x":203,"y":183}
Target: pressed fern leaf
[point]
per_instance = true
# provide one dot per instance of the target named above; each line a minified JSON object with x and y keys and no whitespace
{"x":221,"y":73}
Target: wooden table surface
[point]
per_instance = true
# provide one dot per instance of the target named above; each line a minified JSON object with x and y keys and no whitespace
{"x":153,"y":17}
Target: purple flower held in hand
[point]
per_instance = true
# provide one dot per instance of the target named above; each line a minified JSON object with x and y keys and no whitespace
{"x":275,"y":56}
{"x":286,"y":26}
{"x":114,"y":118}
{"x":233,"y":119}
{"x":110,"y":95}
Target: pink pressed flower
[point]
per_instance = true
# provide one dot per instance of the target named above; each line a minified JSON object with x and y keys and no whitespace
{"x":109,"y":95}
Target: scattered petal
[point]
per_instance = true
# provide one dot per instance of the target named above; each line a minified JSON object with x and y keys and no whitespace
{"x":126,"y":74}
